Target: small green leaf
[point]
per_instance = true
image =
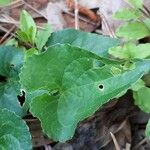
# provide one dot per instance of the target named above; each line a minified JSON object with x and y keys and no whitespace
{"x":138,"y":85}
{"x":141,"y":98}
{"x":127,"y":14}
{"x":11,"y":60}
{"x":129,"y":65}
{"x":14,"y":133}
{"x":136,"y":3}
{"x":97,"y":44}
{"x":147,"y":131}
{"x":74,"y":88}
{"x":12,"y":42}
{"x":133,"y":30}
{"x":130,"y":51}
{"x":146,"y":79}
{"x":147,"y":22}
{"x":126,"y":51}
{"x":22,"y":36}
{"x":8,"y":142}
{"x":42,"y":36}
{"x":27,"y":25}
{"x":143,"y":51}
{"x":30,"y":52}
{"x":4,"y":2}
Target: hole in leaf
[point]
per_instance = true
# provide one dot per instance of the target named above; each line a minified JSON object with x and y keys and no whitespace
{"x":21,"y":98}
{"x":97,"y":64}
{"x":3,"y":78}
{"x":101,"y":87}
{"x":12,"y":65}
{"x":29,"y":116}
{"x":55,"y":92}
{"x":122,"y":64}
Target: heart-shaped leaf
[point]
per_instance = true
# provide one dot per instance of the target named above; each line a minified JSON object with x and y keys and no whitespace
{"x":14,"y":133}
{"x":97,"y":44}
{"x":141,"y":98}
{"x":11,"y":60}
{"x":76,"y":84}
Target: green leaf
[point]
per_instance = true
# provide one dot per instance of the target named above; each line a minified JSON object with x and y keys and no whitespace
{"x":97,"y":44}
{"x":22,"y":36}
{"x":138,"y":85}
{"x":11,"y":60}
{"x":133,"y":30}
{"x":30,"y":52}
{"x":130,"y":51}
{"x":127,"y":51}
{"x":127,"y":14}
{"x":8,"y":142}
{"x":28,"y":26}
{"x":136,"y":3}
{"x":76,"y":87}
{"x":147,"y":23}
{"x":4,"y":2}
{"x":12,"y":42}
{"x":42,"y":36}
{"x":141,"y":98}
{"x":147,"y":132}
{"x":146,"y":79}
{"x":129,"y":65}
{"x":14,"y":133}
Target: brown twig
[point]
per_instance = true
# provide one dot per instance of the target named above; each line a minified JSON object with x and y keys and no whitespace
{"x":7,"y":33}
{"x":6,"y":30}
{"x":115,"y":141}
{"x":147,"y":10}
{"x":107,"y":25}
{"x":10,"y":20}
{"x":34,"y":9}
{"x":19,"y":4}
{"x":83,"y":10}
{"x":9,"y":37}
{"x":80,"y":17}
{"x":12,"y":34}
{"x":139,"y":144}
{"x":144,"y":13}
